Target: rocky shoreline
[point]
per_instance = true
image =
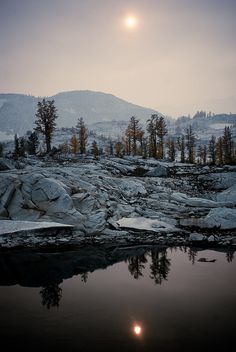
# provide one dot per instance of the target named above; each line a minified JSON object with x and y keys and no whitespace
{"x":115,"y":201}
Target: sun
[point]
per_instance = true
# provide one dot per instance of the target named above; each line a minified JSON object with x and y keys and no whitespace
{"x":131,"y":22}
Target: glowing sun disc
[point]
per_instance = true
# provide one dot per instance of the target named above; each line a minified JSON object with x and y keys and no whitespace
{"x":131,"y":21}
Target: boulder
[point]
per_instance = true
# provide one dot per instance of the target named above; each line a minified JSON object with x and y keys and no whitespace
{"x":196,"y":237}
{"x":158,"y":171}
{"x":96,"y":222}
{"x":17,"y":211}
{"x":131,"y":188}
{"x":223,"y":218}
{"x":50,"y":187}
{"x":6,"y":164}
{"x":217,"y":218}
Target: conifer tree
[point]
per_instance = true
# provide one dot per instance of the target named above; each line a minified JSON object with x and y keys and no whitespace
{"x":46,"y":116}
{"x":161,"y":132}
{"x":64,"y":148}
{"x":32,"y":143}
{"x":219,"y":151}
{"x":16,"y":146}
{"x":152,"y":136}
{"x":228,"y":146}
{"x":119,"y":149}
{"x":133,"y":133}
{"x":212,"y":150}
{"x":181,"y":148}
{"x":156,"y":129}
{"x":199,"y":154}
{"x":22,"y":147}
{"x":74,"y":144}
{"x":171,"y":149}
{"x":95,"y":150}
{"x":190,"y":144}
{"x":202,"y":154}
{"x":83,"y":135}
{"x":111,"y":149}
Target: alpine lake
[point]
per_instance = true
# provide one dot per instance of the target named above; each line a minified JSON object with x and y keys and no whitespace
{"x":118,"y":299}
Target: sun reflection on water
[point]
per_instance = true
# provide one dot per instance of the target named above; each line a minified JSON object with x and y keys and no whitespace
{"x":137,"y":329}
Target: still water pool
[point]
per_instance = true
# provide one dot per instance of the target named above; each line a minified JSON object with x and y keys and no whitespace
{"x":129,"y":299}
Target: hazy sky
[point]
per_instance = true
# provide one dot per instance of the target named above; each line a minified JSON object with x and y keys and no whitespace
{"x":181,"y":57}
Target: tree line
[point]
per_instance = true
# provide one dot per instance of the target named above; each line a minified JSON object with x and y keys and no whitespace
{"x":152,"y":141}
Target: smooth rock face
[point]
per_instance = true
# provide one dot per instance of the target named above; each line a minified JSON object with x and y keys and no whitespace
{"x":140,"y":223}
{"x":9,"y":227}
{"x":101,"y":195}
{"x":198,"y":202}
{"x":229,"y":195}
{"x":223,"y":218}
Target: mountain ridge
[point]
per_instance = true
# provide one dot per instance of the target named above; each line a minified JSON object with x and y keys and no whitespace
{"x":17,"y":111}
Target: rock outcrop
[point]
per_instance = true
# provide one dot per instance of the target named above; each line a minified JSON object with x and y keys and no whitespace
{"x":101,"y":196}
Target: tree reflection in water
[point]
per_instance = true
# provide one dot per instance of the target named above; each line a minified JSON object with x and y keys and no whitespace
{"x":51,"y":295}
{"x":192,"y":254}
{"x":84,"y":277}
{"x":136,"y":265}
{"x":230,"y":256}
{"x":159,"y":268}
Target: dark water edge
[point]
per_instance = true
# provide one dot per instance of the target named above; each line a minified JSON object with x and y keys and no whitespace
{"x":89,"y":299}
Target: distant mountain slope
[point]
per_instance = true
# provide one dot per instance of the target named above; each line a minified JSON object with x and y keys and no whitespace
{"x":17,"y":111}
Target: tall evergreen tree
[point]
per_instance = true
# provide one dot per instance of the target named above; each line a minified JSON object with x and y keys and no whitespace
{"x":181,"y":148}
{"x":202,"y":154}
{"x":171,"y":149}
{"x":83,"y":135}
{"x":119,"y":149}
{"x":32,"y":143}
{"x":133,"y":133}
{"x":219,"y":151}
{"x":74,"y":144}
{"x":212,"y":150}
{"x":46,"y":116}
{"x":95,"y":150}
{"x":228,"y":146}
{"x":22,"y":147}
{"x":151,"y":129}
{"x":156,"y":128}
{"x":161,"y":132}
{"x":190,"y":144}
{"x":16,"y":147}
